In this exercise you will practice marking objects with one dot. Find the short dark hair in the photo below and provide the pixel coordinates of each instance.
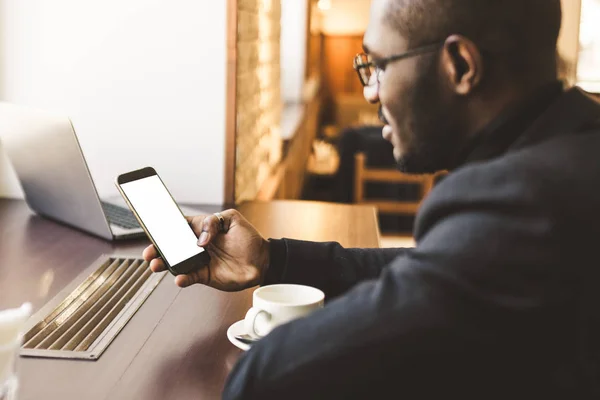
(522, 34)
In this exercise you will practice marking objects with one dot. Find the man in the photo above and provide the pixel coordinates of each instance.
(500, 297)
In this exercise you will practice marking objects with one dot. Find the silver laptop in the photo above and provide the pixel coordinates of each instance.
(45, 153)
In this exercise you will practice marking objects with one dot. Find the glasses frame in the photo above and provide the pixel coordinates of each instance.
(359, 65)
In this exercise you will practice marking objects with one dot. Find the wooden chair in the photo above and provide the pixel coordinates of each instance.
(364, 174)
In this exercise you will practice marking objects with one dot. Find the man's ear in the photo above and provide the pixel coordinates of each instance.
(462, 64)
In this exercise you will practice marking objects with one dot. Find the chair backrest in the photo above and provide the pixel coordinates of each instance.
(364, 174)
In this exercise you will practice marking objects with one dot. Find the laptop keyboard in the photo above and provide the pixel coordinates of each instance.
(120, 216)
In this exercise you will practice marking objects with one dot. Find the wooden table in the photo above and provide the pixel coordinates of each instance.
(175, 346)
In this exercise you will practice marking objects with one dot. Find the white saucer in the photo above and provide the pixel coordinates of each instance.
(234, 330)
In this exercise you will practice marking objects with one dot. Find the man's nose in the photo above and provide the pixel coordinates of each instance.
(371, 91)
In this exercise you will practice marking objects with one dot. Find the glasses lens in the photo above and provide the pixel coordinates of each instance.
(365, 69)
(365, 75)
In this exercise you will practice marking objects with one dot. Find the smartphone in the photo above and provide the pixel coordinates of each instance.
(162, 220)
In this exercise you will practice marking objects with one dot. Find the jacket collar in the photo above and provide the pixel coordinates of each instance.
(548, 113)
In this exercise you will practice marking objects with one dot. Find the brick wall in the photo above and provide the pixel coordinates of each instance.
(259, 106)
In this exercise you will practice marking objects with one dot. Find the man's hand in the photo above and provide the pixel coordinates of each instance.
(239, 257)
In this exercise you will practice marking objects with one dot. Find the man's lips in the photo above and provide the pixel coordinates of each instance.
(387, 133)
(381, 115)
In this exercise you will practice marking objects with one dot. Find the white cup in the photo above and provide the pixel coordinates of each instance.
(11, 326)
(8, 379)
(277, 304)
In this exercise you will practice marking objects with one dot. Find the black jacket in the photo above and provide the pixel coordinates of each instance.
(499, 300)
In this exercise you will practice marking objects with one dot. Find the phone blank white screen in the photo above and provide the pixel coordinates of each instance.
(162, 218)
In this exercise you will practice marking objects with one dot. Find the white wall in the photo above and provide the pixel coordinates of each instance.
(142, 80)
(294, 21)
(346, 17)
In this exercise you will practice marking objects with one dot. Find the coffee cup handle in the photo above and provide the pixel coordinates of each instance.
(250, 321)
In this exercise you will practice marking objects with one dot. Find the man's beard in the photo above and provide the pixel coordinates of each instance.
(431, 124)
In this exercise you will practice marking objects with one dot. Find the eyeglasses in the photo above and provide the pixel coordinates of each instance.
(367, 68)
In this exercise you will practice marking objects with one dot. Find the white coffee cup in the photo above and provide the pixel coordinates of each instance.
(11, 328)
(274, 305)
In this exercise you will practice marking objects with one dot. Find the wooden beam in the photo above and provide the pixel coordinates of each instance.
(231, 102)
(359, 169)
(392, 176)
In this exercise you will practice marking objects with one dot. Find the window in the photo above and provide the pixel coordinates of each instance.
(588, 66)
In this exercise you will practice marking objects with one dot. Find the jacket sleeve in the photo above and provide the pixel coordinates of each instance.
(327, 266)
(453, 315)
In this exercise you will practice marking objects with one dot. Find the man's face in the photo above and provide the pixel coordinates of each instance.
(421, 115)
